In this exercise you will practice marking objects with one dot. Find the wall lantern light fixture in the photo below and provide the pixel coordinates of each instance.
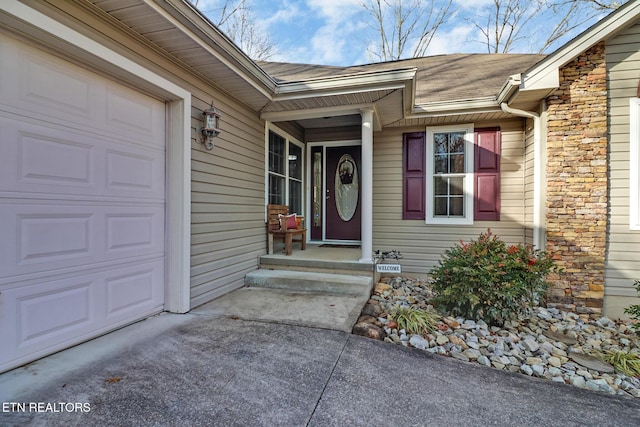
(211, 127)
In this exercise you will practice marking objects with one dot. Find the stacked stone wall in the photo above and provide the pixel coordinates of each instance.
(576, 215)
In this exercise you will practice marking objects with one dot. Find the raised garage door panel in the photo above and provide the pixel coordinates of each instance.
(82, 193)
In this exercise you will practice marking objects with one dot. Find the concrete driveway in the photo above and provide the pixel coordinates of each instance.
(203, 369)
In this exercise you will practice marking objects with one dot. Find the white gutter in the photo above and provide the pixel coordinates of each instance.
(538, 174)
(314, 92)
(363, 82)
(455, 107)
(509, 88)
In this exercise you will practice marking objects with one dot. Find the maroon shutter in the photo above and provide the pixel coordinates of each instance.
(413, 175)
(487, 175)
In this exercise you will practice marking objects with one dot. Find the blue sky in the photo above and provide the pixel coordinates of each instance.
(333, 32)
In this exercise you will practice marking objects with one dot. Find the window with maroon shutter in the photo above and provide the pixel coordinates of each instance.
(487, 175)
(413, 175)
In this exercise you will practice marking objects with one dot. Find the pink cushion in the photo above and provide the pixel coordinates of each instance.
(287, 222)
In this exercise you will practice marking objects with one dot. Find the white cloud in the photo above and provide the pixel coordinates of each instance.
(338, 10)
(456, 40)
(327, 47)
(336, 37)
(285, 13)
(472, 4)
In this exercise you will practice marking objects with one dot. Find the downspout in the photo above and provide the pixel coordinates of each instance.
(538, 170)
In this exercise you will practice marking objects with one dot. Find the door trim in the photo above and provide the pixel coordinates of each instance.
(308, 189)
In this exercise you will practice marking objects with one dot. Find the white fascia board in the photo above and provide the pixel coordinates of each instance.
(313, 113)
(450, 108)
(545, 74)
(336, 91)
(547, 78)
(409, 101)
(365, 82)
(248, 70)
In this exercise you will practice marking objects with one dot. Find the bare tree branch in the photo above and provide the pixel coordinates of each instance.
(507, 22)
(237, 20)
(405, 28)
(504, 23)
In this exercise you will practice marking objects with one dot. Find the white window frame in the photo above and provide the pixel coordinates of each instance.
(467, 219)
(288, 140)
(634, 164)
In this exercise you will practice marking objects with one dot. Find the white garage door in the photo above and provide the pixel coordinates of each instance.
(82, 193)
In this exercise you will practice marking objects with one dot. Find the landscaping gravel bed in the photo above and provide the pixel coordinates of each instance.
(550, 343)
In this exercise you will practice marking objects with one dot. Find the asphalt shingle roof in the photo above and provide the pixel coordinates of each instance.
(439, 78)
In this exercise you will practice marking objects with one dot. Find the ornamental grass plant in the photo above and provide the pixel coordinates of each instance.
(625, 362)
(414, 321)
(489, 280)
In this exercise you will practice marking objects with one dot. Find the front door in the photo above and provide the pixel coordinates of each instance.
(341, 173)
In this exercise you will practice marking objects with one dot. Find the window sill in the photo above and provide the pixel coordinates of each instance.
(449, 221)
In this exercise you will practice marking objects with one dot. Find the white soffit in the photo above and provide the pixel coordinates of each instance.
(183, 32)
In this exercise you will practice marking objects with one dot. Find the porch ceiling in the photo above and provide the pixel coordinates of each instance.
(312, 101)
(333, 122)
(337, 110)
(337, 93)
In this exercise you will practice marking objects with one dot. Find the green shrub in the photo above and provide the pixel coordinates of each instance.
(414, 321)
(489, 280)
(634, 310)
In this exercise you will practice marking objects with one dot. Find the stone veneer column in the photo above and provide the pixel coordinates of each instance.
(576, 217)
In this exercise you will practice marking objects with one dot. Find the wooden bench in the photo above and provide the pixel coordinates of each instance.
(274, 229)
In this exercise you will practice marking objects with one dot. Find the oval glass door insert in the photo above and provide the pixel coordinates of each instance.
(346, 187)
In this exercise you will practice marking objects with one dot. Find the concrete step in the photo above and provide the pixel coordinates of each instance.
(305, 281)
(315, 269)
(335, 312)
(317, 265)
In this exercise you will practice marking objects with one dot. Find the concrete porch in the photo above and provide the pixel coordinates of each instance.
(318, 257)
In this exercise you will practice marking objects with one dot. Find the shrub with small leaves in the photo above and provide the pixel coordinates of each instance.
(634, 310)
(489, 280)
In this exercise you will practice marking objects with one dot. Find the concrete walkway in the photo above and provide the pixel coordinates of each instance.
(205, 369)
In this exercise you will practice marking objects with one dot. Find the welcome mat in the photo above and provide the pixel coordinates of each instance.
(331, 245)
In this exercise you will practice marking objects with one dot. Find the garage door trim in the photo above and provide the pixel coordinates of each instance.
(178, 186)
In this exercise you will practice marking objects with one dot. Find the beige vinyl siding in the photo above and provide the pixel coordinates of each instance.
(528, 181)
(622, 266)
(227, 200)
(227, 183)
(422, 245)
